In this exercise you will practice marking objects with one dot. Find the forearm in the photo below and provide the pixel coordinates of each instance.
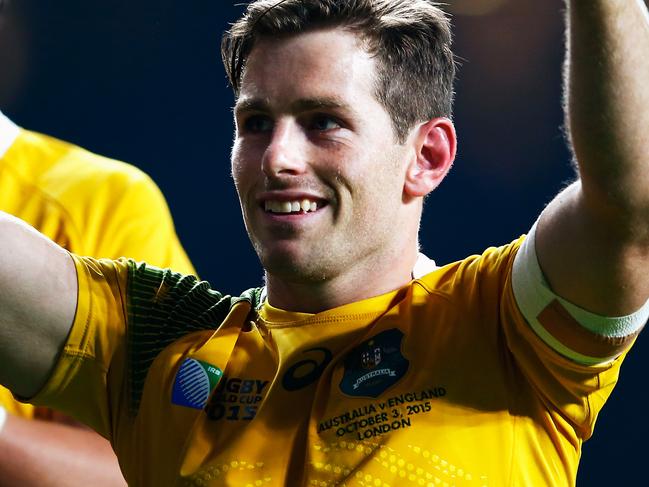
(44, 454)
(607, 96)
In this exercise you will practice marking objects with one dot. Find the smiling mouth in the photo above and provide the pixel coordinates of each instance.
(292, 207)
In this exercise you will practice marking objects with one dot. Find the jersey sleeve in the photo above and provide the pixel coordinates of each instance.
(571, 357)
(79, 384)
(127, 313)
(582, 336)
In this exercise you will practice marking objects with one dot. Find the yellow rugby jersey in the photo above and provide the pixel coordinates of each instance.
(86, 203)
(439, 383)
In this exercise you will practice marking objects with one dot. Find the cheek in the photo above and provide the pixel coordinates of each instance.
(382, 171)
(236, 168)
(241, 167)
(246, 157)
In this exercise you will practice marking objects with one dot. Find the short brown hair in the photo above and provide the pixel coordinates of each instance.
(411, 40)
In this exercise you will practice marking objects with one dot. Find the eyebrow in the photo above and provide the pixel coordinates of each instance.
(300, 105)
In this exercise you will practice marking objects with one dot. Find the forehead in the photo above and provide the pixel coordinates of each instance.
(322, 63)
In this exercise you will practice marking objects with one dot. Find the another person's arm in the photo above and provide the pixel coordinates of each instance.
(593, 239)
(48, 454)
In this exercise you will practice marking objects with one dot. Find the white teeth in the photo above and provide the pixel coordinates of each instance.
(290, 206)
(285, 207)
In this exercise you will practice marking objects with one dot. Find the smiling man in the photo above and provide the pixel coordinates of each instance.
(312, 134)
(356, 363)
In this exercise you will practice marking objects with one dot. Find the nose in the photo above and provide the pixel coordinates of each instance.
(284, 155)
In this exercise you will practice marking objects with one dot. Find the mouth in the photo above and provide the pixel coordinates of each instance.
(300, 206)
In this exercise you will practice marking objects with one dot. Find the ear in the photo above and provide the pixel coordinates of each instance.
(435, 144)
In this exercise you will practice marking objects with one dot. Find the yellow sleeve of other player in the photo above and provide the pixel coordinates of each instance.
(14, 407)
(129, 217)
(113, 208)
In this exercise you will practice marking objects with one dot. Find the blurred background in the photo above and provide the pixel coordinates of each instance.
(142, 81)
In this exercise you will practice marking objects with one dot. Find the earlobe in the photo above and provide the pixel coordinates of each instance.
(435, 145)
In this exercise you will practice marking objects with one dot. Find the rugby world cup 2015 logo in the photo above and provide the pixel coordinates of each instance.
(374, 365)
(195, 381)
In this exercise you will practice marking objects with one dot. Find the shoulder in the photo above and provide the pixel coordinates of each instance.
(62, 169)
(487, 271)
(165, 306)
(84, 186)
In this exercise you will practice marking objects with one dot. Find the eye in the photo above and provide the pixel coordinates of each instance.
(323, 123)
(257, 124)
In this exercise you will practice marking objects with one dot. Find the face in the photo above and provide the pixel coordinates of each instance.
(315, 160)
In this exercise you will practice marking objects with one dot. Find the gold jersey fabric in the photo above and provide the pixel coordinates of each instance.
(441, 383)
(88, 204)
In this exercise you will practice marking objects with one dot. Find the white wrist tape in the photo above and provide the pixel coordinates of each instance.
(3, 417)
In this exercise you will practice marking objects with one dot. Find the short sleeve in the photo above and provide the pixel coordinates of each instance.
(78, 385)
(575, 333)
(570, 357)
(127, 313)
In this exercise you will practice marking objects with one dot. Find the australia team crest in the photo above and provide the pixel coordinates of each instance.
(374, 365)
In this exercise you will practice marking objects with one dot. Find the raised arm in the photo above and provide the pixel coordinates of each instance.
(38, 295)
(593, 239)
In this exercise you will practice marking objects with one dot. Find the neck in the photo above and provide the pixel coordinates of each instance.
(368, 278)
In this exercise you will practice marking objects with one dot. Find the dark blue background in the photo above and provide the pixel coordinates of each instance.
(142, 82)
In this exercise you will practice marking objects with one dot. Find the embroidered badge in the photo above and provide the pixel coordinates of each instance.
(374, 365)
(195, 381)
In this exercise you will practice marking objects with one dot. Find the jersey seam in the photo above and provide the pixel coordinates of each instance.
(432, 292)
(86, 326)
(80, 356)
(77, 353)
(313, 321)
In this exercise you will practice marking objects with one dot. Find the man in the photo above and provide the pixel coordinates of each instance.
(356, 364)
(90, 205)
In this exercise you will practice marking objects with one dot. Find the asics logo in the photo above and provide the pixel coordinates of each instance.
(305, 372)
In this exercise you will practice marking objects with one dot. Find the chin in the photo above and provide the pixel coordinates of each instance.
(292, 267)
